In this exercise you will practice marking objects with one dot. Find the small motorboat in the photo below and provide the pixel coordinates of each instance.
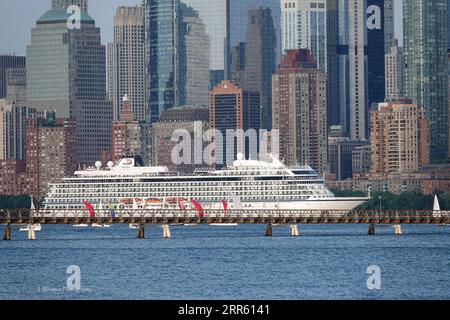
(81, 225)
(36, 227)
(224, 224)
(133, 226)
(97, 225)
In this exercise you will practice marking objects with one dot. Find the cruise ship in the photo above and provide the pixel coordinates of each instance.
(246, 185)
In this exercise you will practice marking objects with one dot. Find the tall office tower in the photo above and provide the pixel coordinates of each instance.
(376, 29)
(66, 73)
(389, 24)
(426, 74)
(333, 113)
(193, 56)
(13, 121)
(313, 24)
(260, 59)
(214, 14)
(238, 20)
(231, 108)
(64, 4)
(161, 41)
(395, 63)
(126, 61)
(399, 138)
(304, 26)
(237, 63)
(50, 154)
(6, 62)
(300, 110)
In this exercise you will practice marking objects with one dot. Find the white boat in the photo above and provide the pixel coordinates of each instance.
(224, 224)
(97, 225)
(134, 226)
(36, 227)
(249, 184)
(81, 225)
(437, 213)
(190, 224)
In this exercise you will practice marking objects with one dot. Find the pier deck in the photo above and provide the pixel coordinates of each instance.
(140, 216)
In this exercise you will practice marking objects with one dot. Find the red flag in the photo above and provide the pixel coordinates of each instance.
(199, 208)
(90, 208)
(225, 206)
(181, 205)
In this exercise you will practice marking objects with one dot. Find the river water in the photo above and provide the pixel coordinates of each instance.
(203, 262)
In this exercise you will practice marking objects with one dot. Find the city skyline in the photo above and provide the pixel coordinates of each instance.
(102, 11)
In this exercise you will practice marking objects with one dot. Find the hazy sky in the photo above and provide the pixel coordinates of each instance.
(17, 17)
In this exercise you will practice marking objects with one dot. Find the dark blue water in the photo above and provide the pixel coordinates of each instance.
(201, 262)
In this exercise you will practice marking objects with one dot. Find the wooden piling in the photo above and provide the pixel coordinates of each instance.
(166, 231)
(269, 230)
(7, 233)
(294, 230)
(141, 232)
(371, 229)
(31, 232)
(398, 230)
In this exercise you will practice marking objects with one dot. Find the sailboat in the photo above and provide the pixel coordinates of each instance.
(80, 225)
(237, 204)
(36, 226)
(103, 225)
(135, 208)
(437, 210)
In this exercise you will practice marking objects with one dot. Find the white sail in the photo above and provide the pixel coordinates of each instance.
(135, 205)
(436, 206)
(32, 204)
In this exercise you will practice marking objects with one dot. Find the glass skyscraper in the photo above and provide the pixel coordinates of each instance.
(426, 75)
(161, 37)
(66, 73)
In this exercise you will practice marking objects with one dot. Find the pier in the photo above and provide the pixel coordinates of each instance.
(269, 218)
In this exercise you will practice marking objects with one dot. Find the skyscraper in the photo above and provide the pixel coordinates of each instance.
(66, 73)
(194, 51)
(6, 62)
(238, 20)
(313, 24)
(395, 63)
(389, 24)
(126, 61)
(231, 108)
(13, 121)
(376, 30)
(162, 40)
(214, 14)
(64, 4)
(399, 138)
(426, 74)
(300, 110)
(260, 59)
(304, 26)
